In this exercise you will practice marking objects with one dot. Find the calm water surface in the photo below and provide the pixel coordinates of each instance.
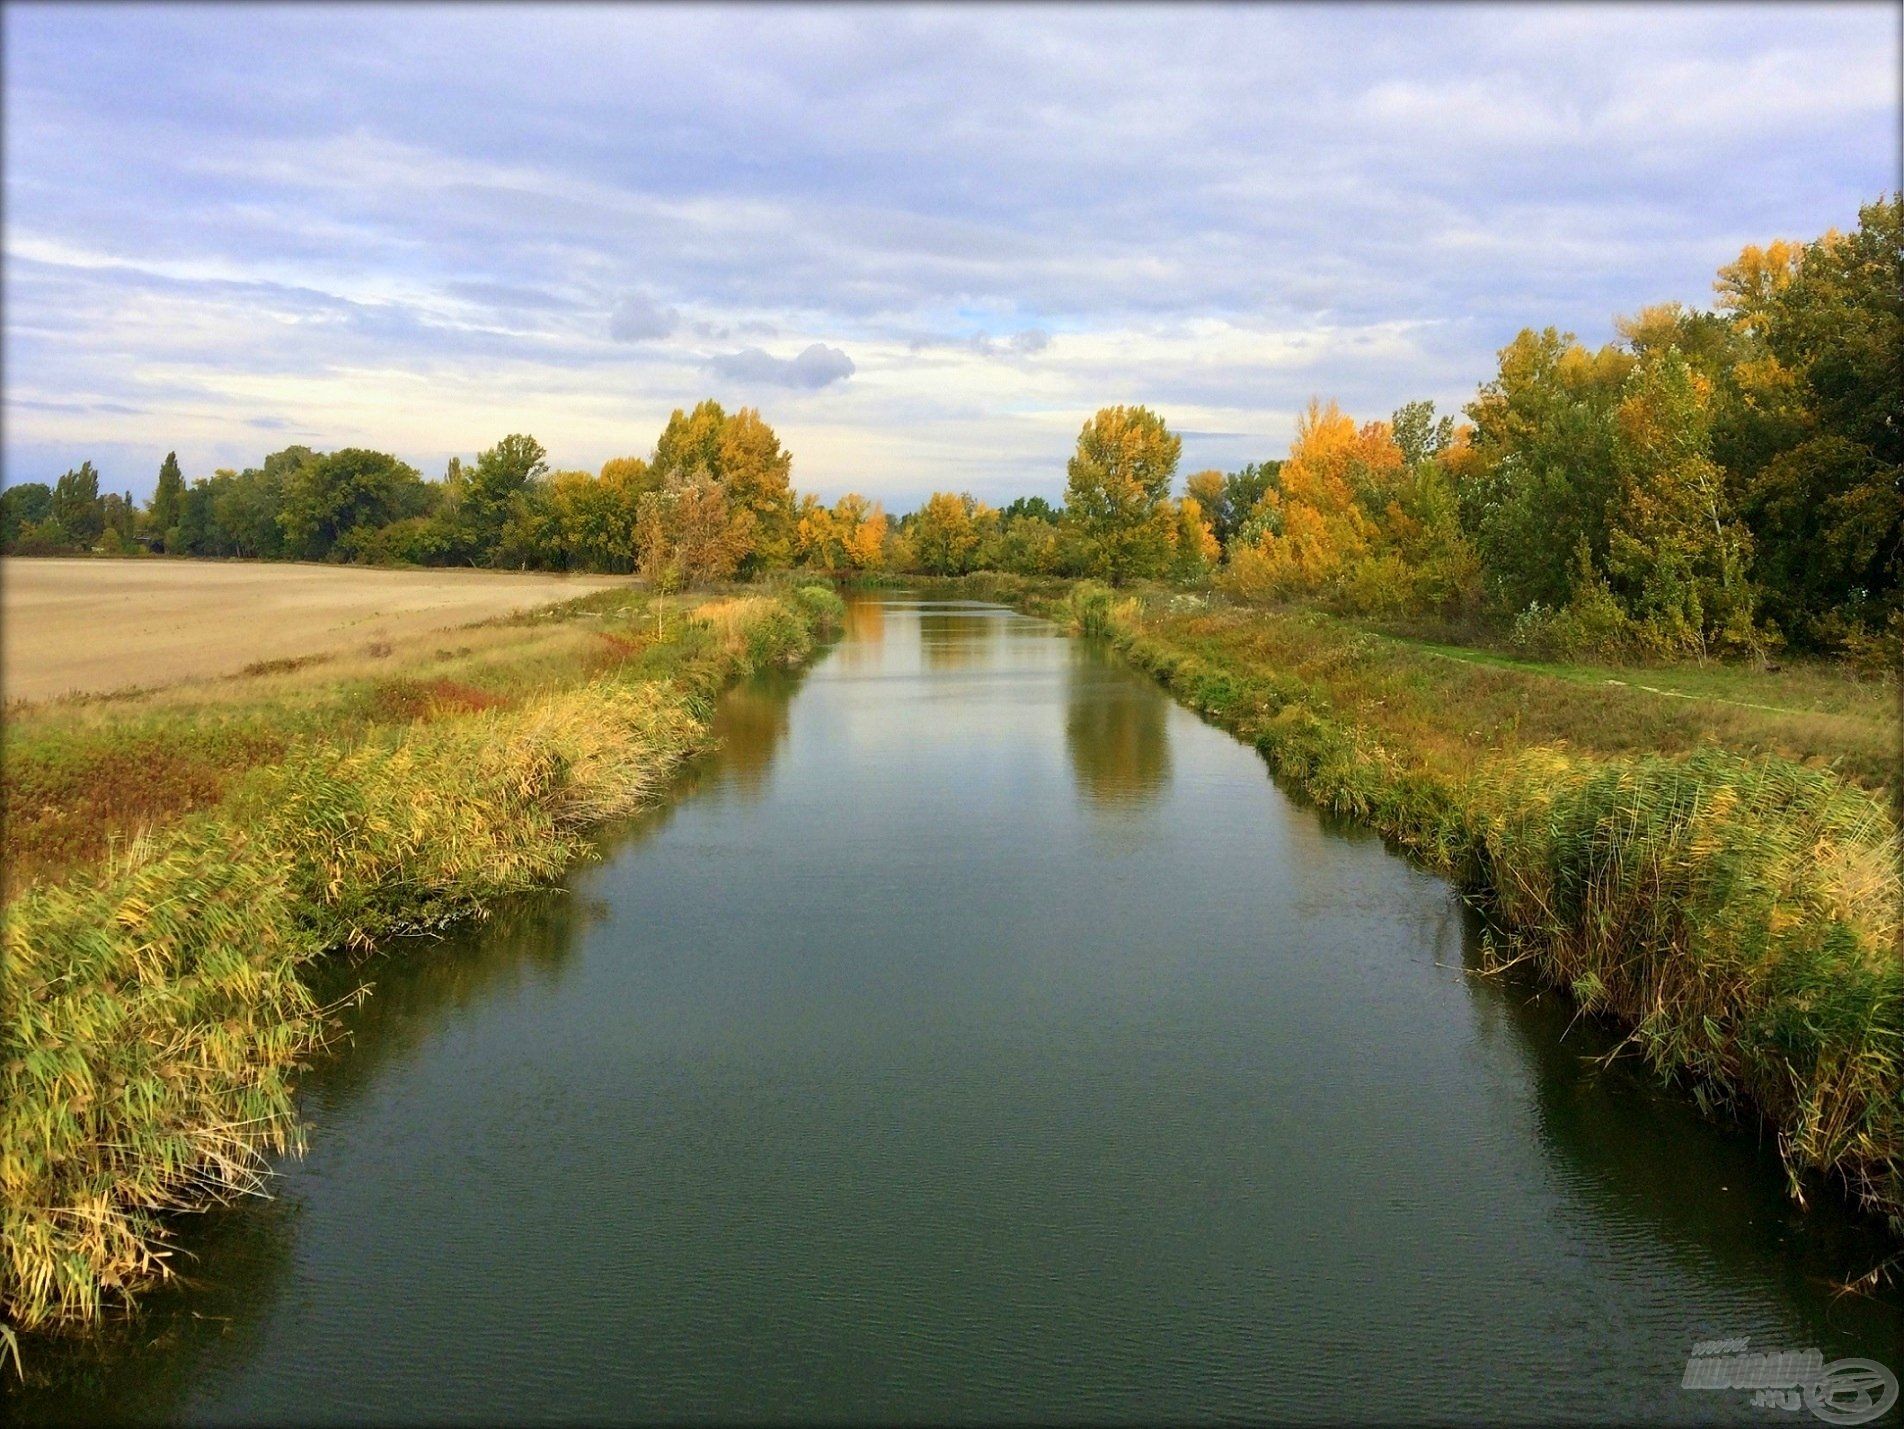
(978, 1036)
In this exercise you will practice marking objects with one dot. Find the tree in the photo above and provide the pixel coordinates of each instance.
(163, 514)
(1324, 515)
(326, 498)
(1828, 509)
(1418, 433)
(943, 535)
(29, 504)
(498, 475)
(861, 525)
(1542, 469)
(76, 506)
(756, 475)
(1196, 544)
(712, 535)
(1677, 553)
(816, 540)
(690, 442)
(1243, 493)
(1118, 482)
(1210, 490)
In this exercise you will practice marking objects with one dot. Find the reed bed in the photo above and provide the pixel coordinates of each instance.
(1737, 916)
(155, 1004)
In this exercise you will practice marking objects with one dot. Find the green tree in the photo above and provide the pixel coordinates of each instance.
(1828, 509)
(1543, 472)
(76, 506)
(28, 504)
(1243, 493)
(328, 498)
(492, 483)
(1676, 552)
(163, 514)
(1118, 487)
(1421, 436)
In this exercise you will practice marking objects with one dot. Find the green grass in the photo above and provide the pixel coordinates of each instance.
(157, 1000)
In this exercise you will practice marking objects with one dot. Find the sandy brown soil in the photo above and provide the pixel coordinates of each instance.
(68, 625)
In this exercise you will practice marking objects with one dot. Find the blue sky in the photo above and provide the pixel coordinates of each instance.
(926, 242)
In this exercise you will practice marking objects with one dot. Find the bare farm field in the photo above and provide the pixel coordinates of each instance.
(70, 626)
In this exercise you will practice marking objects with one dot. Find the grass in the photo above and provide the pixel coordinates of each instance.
(158, 999)
(1720, 881)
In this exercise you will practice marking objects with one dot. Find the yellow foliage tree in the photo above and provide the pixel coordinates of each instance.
(861, 525)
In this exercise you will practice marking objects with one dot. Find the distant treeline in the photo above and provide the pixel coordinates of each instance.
(1716, 481)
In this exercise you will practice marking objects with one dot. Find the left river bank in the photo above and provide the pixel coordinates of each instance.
(179, 859)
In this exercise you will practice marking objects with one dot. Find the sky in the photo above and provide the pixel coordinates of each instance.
(927, 243)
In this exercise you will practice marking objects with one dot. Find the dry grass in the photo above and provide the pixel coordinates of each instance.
(93, 626)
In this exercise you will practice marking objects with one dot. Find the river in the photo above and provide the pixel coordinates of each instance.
(979, 1035)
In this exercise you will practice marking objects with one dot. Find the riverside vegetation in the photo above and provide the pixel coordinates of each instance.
(157, 1000)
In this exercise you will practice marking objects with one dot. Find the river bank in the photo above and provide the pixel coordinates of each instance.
(157, 1007)
(1731, 910)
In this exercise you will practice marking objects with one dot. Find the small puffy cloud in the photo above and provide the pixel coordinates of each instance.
(816, 367)
(639, 318)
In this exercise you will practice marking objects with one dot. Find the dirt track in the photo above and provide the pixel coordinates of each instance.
(95, 625)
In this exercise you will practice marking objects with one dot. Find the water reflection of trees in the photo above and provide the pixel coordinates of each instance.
(958, 639)
(750, 721)
(863, 633)
(1116, 730)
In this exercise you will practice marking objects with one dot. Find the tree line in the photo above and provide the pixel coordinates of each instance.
(1714, 481)
(1720, 481)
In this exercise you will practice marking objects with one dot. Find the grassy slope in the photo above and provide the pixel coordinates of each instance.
(1719, 879)
(155, 1008)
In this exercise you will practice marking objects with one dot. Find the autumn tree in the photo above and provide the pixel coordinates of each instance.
(944, 535)
(1118, 485)
(860, 526)
(756, 475)
(1195, 547)
(1210, 490)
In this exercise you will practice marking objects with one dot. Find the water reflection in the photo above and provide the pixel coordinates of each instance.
(864, 634)
(750, 724)
(952, 638)
(1117, 732)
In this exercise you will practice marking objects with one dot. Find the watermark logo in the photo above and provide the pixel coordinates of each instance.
(1848, 1391)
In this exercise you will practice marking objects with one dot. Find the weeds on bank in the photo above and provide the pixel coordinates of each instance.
(155, 1008)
